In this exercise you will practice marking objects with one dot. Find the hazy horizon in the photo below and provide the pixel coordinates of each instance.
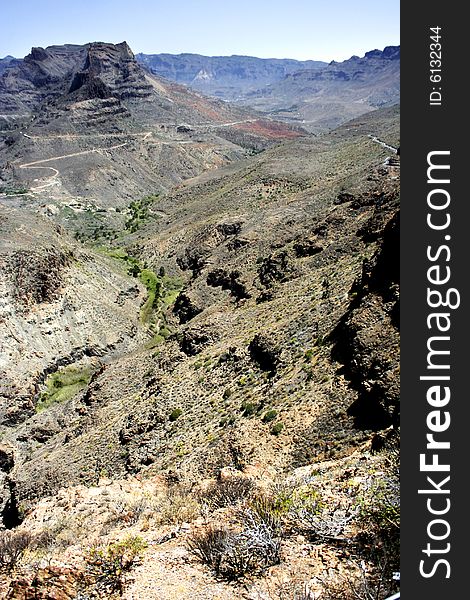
(305, 30)
(199, 54)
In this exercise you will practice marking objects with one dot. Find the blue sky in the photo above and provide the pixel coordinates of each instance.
(302, 29)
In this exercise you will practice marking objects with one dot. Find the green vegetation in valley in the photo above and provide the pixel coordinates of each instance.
(162, 291)
(94, 224)
(63, 385)
(14, 191)
(139, 213)
(154, 288)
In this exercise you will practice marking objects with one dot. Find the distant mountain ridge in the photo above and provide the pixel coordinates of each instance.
(324, 98)
(7, 61)
(227, 77)
(96, 102)
(313, 94)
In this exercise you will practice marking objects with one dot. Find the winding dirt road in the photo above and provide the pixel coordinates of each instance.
(382, 143)
(53, 179)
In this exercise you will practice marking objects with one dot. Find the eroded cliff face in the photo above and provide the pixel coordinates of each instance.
(59, 303)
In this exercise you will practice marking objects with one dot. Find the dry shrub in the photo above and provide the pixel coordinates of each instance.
(227, 492)
(176, 505)
(233, 555)
(260, 510)
(107, 566)
(209, 546)
(13, 544)
(58, 535)
(365, 584)
(379, 520)
(129, 511)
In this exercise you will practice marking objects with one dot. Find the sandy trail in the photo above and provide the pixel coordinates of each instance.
(382, 143)
(53, 179)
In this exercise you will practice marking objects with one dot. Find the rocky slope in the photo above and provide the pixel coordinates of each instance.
(215, 361)
(226, 77)
(6, 62)
(269, 252)
(83, 118)
(39, 76)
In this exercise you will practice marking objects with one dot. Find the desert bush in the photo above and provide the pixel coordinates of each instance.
(251, 552)
(13, 544)
(55, 535)
(233, 555)
(227, 492)
(177, 504)
(210, 545)
(129, 511)
(175, 414)
(248, 408)
(379, 505)
(261, 510)
(269, 416)
(379, 518)
(301, 509)
(366, 583)
(277, 428)
(107, 566)
(45, 539)
(325, 524)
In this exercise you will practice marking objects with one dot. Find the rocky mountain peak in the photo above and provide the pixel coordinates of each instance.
(54, 60)
(389, 52)
(37, 54)
(97, 52)
(111, 69)
(98, 69)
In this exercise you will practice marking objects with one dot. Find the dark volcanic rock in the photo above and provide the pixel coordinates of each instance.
(116, 67)
(264, 352)
(307, 247)
(194, 260)
(137, 424)
(229, 281)
(208, 238)
(343, 197)
(275, 268)
(367, 338)
(185, 308)
(7, 461)
(192, 341)
(89, 86)
(42, 74)
(228, 229)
